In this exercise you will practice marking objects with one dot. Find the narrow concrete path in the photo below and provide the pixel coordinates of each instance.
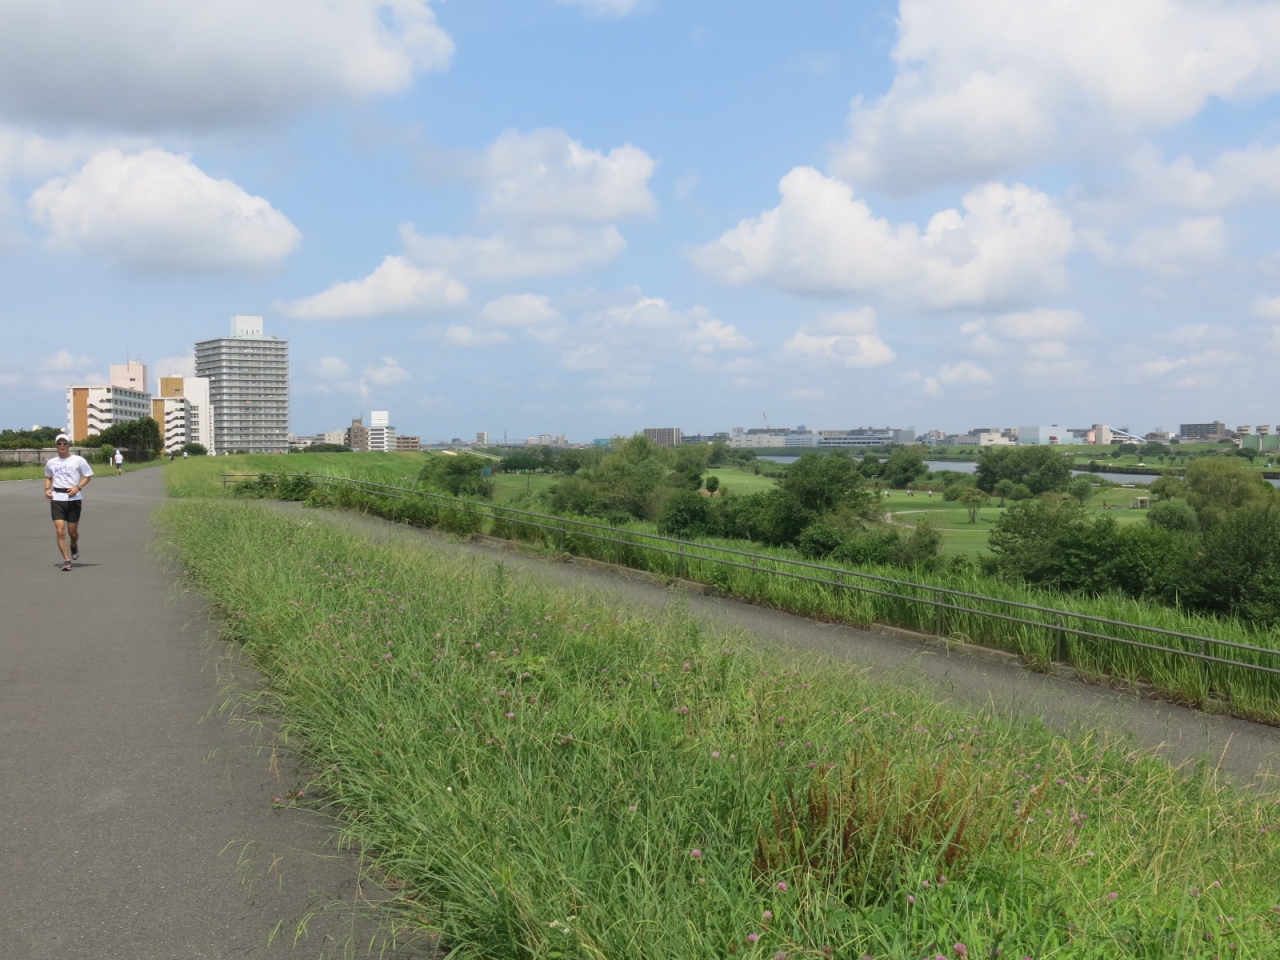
(118, 791)
(1249, 753)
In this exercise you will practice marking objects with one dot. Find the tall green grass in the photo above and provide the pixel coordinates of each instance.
(544, 775)
(200, 476)
(1219, 686)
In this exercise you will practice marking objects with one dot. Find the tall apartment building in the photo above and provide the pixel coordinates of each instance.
(382, 435)
(182, 411)
(482, 438)
(1205, 432)
(248, 375)
(663, 436)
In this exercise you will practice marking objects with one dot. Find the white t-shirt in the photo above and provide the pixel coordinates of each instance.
(67, 472)
(118, 458)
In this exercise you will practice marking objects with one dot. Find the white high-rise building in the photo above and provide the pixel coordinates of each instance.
(482, 438)
(248, 374)
(92, 409)
(382, 435)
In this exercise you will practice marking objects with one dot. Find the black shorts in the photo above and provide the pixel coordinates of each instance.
(68, 510)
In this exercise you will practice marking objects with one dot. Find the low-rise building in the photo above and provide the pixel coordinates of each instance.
(93, 408)
(357, 435)
(407, 442)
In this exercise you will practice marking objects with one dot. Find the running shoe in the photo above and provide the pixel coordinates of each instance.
(66, 565)
(75, 552)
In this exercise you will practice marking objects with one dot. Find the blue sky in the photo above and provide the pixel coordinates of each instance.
(592, 216)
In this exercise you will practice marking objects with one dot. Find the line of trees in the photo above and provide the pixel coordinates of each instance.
(1211, 542)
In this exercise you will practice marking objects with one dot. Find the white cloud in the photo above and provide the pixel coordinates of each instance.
(849, 338)
(1010, 242)
(966, 373)
(155, 211)
(1268, 308)
(332, 368)
(1035, 341)
(458, 335)
(614, 405)
(529, 252)
(545, 175)
(1039, 324)
(1191, 245)
(10, 379)
(982, 88)
(1233, 177)
(632, 338)
(146, 65)
(388, 374)
(614, 8)
(520, 310)
(180, 366)
(64, 368)
(396, 286)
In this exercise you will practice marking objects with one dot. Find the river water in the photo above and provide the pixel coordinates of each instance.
(969, 466)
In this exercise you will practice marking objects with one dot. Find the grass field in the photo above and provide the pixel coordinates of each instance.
(35, 471)
(542, 774)
(959, 536)
(199, 476)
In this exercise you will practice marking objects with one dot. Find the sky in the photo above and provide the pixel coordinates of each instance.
(587, 217)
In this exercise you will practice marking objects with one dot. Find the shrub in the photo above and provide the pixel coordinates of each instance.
(819, 540)
(687, 514)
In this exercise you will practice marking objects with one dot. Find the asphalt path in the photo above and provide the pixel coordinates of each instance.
(135, 822)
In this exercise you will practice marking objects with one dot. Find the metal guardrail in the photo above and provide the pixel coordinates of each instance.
(838, 577)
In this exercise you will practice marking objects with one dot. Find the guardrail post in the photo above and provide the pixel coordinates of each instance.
(939, 614)
(680, 564)
(1059, 640)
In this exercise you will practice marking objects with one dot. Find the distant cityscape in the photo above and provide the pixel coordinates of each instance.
(238, 401)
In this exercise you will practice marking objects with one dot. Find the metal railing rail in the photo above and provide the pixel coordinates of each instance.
(839, 575)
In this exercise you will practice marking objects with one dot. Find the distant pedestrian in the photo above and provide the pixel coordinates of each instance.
(65, 477)
(118, 459)
(171, 456)
(184, 453)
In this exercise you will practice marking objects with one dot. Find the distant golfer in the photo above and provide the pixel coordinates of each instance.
(118, 459)
(65, 477)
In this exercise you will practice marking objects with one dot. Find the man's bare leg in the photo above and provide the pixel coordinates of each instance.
(61, 527)
(73, 533)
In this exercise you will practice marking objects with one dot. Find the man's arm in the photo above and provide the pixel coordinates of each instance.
(48, 488)
(84, 482)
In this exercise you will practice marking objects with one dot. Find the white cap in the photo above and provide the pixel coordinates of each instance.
(61, 438)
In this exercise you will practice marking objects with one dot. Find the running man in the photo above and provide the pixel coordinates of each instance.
(65, 477)
(118, 459)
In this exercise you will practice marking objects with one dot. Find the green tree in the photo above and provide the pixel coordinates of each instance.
(1174, 514)
(687, 514)
(139, 437)
(1081, 490)
(1054, 542)
(461, 475)
(198, 449)
(1039, 469)
(973, 501)
(713, 484)
(904, 466)
(718, 455)
(1218, 486)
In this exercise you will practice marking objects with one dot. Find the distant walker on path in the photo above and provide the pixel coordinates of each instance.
(65, 477)
(118, 459)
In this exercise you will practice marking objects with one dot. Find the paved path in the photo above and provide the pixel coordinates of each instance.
(117, 793)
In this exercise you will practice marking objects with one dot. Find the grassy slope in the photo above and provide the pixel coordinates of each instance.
(36, 471)
(538, 769)
(199, 476)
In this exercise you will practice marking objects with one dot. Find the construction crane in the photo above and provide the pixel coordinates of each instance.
(766, 420)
